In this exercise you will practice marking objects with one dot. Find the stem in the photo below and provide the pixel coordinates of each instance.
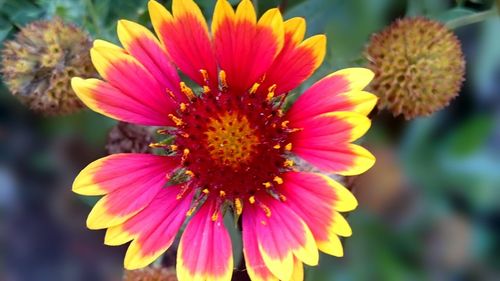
(470, 19)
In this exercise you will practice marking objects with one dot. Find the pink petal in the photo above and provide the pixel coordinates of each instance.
(205, 251)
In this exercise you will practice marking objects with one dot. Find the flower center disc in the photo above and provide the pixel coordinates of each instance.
(232, 144)
(230, 140)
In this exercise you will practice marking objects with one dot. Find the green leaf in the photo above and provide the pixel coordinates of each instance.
(471, 135)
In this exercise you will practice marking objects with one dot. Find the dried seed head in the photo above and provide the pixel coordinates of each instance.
(419, 66)
(129, 138)
(38, 64)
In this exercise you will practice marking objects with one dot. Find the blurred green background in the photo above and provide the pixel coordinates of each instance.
(429, 209)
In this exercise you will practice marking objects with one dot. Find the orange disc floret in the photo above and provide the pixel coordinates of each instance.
(419, 66)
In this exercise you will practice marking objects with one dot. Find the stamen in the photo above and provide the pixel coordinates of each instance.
(157, 145)
(170, 93)
(185, 135)
(278, 180)
(251, 199)
(222, 193)
(173, 147)
(267, 184)
(189, 173)
(191, 211)
(183, 106)
(288, 163)
(182, 192)
(222, 78)
(215, 215)
(270, 96)
(176, 120)
(277, 146)
(238, 206)
(271, 90)
(288, 147)
(266, 210)
(254, 88)
(206, 191)
(163, 132)
(282, 197)
(187, 91)
(206, 89)
(204, 73)
(284, 124)
(185, 154)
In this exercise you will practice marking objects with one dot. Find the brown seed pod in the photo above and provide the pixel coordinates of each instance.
(129, 138)
(38, 64)
(419, 66)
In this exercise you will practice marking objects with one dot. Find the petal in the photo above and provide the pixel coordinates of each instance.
(186, 38)
(298, 270)
(330, 129)
(105, 99)
(343, 159)
(144, 46)
(155, 227)
(117, 171)
(332, 94)
(205, 251)
(246, 48)
(130, 181)
(297, 61)
(125, 73)
(317, 199)
(257, 269)
(281, 234)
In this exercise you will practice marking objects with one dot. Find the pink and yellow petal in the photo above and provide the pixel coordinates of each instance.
(332, 94)
(105, 44)
(331, 246)
(255, 265)
(125, 73)
(205, 251)
(155, 227)
(298, 271)
(296, 62)
(281, 236)
(130, 181)
(117, 171)
(295, 30)
(245, 49)
(316, 198)
(117, 235)
(343, 159)
(143, 45)
(330, 129)
(107, 100)
(185, 36)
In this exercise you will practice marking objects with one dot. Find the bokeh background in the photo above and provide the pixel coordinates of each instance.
(429, 209)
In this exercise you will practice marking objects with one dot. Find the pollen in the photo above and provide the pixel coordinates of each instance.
(278, 180)
(187, 91)
(238, 206)
(230, 140)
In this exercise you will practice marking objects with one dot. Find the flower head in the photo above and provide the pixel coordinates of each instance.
(232, 146)
(38, 64)
(418, 64)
